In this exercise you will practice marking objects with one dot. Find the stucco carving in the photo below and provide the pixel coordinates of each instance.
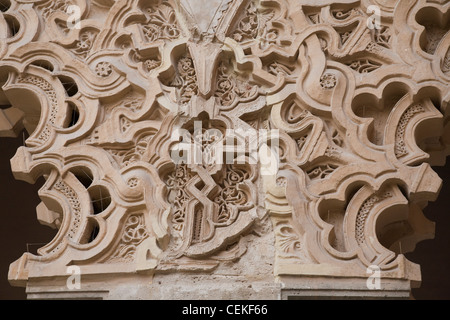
(360, 115)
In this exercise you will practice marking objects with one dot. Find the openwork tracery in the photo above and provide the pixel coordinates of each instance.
(361, 114)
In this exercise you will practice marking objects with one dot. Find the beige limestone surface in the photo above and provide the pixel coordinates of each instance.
(309, 129)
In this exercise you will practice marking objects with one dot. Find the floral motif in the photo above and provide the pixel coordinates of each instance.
(301, 141)
(186, 80)
(151, 64)
(231, 89)
(281, 181)
(321, 172)
(178, 198)
(49, 7)
(248, 26)
(382, 36)
(84, 44)
(127, 157)
(258, 23)
(349, 14)
(288, 240)
(103, 69)
(372, 47)
(277, 68)
(133, 182)
(364, 65)
(230, 196)
(345, 36)
(328, 81)
(148, 63)
(133, 233)
(161, 23)
(134, 104)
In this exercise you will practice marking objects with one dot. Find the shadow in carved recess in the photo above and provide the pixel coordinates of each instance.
(432, 255)
(20, 231)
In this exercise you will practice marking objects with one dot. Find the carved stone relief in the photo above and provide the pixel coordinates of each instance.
(355, 117)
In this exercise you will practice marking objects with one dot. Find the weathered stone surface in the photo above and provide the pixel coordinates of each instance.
(339, 110)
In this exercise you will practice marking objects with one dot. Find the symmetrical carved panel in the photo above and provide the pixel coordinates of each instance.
(136, 113)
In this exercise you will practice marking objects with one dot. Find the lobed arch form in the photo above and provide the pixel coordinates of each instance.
(39, 95)
(63, 64)
(359, 124)
(66, 203)
(368, 211)
(396, 99)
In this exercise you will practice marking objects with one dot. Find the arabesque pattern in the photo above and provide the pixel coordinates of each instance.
(360, 114)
